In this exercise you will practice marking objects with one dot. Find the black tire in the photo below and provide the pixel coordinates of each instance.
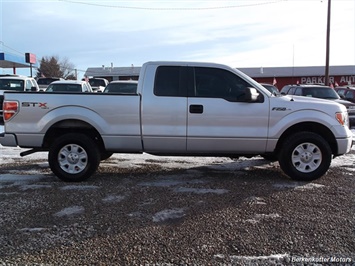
(105, 155)
(74, 157)
(305, 156)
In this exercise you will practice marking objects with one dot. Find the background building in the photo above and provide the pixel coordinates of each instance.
(279, 76)
(338, 75)
(114, 73)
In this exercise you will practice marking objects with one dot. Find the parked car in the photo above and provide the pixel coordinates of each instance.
(122, 87)
(15, 83)
(98, 84)
(44, 82)
(18, 83)
(270, 88)
(346, 92)
(323, 92)
(69, 86)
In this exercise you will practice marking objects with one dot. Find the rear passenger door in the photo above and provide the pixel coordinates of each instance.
(219, 120)
(164, 109)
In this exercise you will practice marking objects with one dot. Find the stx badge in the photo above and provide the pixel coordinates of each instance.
(34, 104)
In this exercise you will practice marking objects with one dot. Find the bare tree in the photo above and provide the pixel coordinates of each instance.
(67, 68)
(54, 67)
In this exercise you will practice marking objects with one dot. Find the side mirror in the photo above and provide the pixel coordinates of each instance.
(33, 88)
(251, 95)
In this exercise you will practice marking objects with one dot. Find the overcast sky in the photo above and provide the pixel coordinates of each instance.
(253, 33)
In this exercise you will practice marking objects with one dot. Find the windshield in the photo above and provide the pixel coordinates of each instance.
(46, 81)
(64, 87)
(11, 84)
(271, 88)
(97, 82)
(125, 88)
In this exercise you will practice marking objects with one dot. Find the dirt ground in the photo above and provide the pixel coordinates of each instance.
(148, 210)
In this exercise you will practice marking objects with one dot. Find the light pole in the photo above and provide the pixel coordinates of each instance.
(326, 80)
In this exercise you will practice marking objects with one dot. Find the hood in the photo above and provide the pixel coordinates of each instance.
(344, 102)
(302, 102)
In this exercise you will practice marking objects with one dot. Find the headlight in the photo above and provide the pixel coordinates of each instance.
(342, 118)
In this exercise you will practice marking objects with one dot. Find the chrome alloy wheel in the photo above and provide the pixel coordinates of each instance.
(72, 158)
(306, 157)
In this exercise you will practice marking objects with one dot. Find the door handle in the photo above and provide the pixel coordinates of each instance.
(196, 109)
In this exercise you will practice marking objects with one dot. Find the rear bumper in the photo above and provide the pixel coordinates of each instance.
(8, 140)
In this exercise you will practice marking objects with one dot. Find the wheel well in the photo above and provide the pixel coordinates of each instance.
(72, 126)
(310, 127)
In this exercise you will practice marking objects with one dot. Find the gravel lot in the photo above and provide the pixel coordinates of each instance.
(147, 210)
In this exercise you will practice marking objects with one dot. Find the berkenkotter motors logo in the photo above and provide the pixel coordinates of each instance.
(321, 259)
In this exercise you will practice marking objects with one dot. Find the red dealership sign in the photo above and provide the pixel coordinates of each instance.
(30, 58)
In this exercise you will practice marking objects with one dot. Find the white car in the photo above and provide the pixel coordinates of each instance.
(44, 82)
(122, 87)
(15, 83)
(69, 86)
(98, 84)
(18, 83)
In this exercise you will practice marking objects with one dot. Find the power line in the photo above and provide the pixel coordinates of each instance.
(176, 8)
(8, 47)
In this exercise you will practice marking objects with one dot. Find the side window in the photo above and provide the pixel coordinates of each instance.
(219, 83)
(28, 85)
(167, 81)
(341, 92)
(349, 94)
(291, 91)
(85, 88)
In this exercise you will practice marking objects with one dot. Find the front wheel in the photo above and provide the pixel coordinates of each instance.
(73, 157)
(305, 156)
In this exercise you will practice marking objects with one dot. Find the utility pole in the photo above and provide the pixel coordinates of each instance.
(326, 80)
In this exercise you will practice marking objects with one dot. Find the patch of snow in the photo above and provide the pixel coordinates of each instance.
(298, 185)
(135, 214)
(168, 214)
(170, 181)
(34, 186)
(252, 221)
(70, 211)
(39, 229)
(79, 187)
(200, 190)
(267, 216)
(309, 186)
(258, 258)
(256, 200)
(113, 198)
(20, 178)
(258, 217)
(242, 163)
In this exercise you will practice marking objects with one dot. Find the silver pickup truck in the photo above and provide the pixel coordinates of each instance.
(180, 108)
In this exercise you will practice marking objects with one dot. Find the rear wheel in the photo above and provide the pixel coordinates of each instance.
(305, 156)
(73, 157)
